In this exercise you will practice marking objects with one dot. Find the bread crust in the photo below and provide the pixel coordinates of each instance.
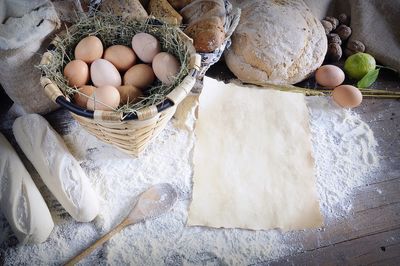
(278, 42)
(207, 34)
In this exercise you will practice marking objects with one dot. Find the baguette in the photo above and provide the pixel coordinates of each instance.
(20, 200)
(58, 169)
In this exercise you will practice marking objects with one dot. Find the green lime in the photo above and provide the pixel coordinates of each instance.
(358, 65)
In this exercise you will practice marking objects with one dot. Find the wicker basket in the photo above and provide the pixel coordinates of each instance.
(131, 132)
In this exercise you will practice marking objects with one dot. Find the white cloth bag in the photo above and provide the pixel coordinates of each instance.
(23, 31)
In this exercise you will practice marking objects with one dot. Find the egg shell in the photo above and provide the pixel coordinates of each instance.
(120, 56)
(347, 96)
(166, 67)
(82, 99)
(77, 73)
(103, 73)
(89, 49)
(106, 98)
(129, 93)
(146, 46)
(140, 76)
(329, 76)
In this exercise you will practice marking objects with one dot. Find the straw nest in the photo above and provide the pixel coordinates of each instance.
(113, 30)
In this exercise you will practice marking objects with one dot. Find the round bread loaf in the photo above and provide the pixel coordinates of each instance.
(277, 42)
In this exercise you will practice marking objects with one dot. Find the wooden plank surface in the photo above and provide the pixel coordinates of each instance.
(368, 235)
(381, 248)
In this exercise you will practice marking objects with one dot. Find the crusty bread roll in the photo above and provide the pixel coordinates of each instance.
(201, 9)
(163, 10)
(205, 24)
(207, 34)
(125, 8)
(20, 200)
(179, 4)
(278, 42)
(58, 169)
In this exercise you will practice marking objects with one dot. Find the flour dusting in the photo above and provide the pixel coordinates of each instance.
(344, 150)
(345, 153)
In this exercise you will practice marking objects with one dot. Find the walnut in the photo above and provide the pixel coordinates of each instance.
(327, 26)
(333, 21)
(354, 47)
(334, 52)
(343, 31)
(344, 19)
(334, 38)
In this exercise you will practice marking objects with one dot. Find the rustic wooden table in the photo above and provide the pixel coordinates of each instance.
(371, 233)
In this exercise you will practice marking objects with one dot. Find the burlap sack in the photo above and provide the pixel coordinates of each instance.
(68, 10)
(24, 28)
(376, 23)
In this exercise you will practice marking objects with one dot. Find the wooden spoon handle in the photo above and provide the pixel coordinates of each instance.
(99, 242)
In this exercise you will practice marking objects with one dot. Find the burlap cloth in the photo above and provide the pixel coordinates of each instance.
(376, 23)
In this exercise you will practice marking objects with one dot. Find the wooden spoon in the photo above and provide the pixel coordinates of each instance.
(151, 203)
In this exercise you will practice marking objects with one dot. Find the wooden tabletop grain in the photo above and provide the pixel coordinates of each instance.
(370, 234)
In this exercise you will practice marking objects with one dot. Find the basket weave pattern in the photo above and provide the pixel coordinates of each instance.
(131, 136)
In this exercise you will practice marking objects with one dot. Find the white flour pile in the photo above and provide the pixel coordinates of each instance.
(344, 149)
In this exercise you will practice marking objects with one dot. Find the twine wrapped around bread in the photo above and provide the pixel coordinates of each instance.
(132, 126)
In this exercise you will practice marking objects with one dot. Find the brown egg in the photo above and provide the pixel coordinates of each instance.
(329, 76)
(81, 98)
(146, 46)
(347, 96)
(89, 49)
(140, 76)
(166, 67)
(77, 73)
(104, 98)
(129, 93)
(120, 56)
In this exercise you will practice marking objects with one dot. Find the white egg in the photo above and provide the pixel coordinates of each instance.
(103, 73)
(146, 46)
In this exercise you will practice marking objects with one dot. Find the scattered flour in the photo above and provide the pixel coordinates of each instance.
(345, 153)
(344, 150)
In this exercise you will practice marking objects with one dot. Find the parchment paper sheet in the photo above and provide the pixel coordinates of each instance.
(253, 164)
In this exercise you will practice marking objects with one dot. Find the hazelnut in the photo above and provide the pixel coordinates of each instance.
(334, 38)
(327, 26)
(344, 19)
(344, 32)
(334, 52)
(333, 21)
(354, 47)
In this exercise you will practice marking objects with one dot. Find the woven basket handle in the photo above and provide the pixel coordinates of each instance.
(51, 90)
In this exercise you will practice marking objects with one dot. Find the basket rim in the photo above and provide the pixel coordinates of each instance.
(59, 97)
